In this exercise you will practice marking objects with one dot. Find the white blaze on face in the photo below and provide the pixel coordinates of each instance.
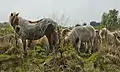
(10, 17)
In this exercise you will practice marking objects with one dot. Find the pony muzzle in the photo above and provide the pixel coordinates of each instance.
(17, 28)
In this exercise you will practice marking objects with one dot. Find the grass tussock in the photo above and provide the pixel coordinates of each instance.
(66, 59)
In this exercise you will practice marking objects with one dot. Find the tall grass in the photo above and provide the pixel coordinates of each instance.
(107, 59)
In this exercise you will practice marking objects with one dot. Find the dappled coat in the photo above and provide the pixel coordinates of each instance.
(31, 30)
(28, 31)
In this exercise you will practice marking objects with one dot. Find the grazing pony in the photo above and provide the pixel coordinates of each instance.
(64, 32)
(107, 36)
(117, 41)
(97, 41)
(81, 34)
(110, 38)
(28, 31)
(43, 42)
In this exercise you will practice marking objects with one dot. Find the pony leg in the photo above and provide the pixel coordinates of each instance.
(47, 49)
(16, 40)
(49, 40)
(79, 45)
(50, 43)
(92, 46)
(30, 44)
(88, 46)
(24, 46)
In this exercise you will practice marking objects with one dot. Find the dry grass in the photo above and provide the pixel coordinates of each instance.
(107, 59)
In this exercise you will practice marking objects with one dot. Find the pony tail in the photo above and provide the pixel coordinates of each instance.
(59, 35)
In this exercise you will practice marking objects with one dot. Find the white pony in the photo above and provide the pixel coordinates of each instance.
(81, 34)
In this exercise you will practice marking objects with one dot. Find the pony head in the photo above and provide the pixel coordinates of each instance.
(65, 32)
(14, 21)
(84, 24)
(67, 38)
(116, 34)
(77, 25)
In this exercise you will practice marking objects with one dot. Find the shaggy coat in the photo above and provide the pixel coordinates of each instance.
(81, 34)
(110, 38)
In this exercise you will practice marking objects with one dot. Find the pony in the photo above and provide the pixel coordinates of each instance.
(107, 36)
(43, 42)
(28, 31)
(64, 32)
(77, 25)
(117, 41)
(111, 38)
(84, 24)
(81, 34)
(97, 41)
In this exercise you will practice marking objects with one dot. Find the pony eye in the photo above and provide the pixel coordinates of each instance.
(11, 14)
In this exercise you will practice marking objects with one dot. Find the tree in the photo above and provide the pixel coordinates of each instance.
(110, 20)
(119, 21)
(104, 18)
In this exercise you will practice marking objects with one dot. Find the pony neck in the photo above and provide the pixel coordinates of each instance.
(22, 21)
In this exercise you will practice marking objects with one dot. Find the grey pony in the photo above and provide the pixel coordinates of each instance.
(31, 31)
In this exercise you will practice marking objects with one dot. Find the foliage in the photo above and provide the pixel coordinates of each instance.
(110, 20)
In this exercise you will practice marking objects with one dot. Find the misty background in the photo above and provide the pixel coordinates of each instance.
(78, 11)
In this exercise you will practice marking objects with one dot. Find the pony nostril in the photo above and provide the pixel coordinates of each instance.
(17, 29)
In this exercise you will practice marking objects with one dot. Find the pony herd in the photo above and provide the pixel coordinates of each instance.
(46, 33)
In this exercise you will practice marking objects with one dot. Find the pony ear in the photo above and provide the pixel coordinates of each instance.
(11, 14)
(17, 14)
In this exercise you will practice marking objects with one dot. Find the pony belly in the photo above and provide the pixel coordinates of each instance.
(34, 34)
(85, 38)
(34, 37)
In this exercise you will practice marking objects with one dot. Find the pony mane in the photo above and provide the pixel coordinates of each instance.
(35, 21)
